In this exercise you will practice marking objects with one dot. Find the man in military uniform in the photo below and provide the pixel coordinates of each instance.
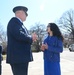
(19, 42)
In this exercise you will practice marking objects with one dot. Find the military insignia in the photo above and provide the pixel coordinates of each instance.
(23, 27)
(20, 29)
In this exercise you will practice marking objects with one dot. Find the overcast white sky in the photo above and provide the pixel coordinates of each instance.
(43, 11)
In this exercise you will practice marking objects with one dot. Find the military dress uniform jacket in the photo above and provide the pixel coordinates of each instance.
(19, 43)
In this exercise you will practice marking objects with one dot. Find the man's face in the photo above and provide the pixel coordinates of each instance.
(21, 14)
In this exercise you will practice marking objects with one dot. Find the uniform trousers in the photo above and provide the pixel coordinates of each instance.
(20, 69)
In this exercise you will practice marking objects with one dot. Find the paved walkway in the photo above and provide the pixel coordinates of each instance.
(36, 67)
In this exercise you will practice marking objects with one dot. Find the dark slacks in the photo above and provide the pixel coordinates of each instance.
(20, 69)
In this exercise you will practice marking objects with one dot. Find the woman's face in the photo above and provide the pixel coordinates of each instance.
(48, 29)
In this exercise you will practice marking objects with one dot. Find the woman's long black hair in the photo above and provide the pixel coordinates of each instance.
(56, 31)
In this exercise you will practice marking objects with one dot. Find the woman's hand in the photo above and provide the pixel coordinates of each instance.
(44, 47)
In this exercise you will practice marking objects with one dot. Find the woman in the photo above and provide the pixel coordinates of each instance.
(52, 47)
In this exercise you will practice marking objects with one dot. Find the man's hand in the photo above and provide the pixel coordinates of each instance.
(34, 37)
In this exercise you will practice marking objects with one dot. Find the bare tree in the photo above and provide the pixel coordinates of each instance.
(39, 29)
(67, 22)
(3, 38)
